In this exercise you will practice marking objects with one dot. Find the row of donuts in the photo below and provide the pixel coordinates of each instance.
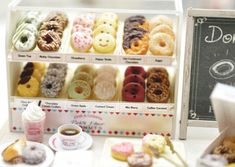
(88, 83)
(158, 85)
(141, 35)
(31, 30)
(33, 82)
(98, 33)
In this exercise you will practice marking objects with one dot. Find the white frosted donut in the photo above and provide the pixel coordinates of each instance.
(104, 90)
(24, 40)
(161, 44)
(27, 26)
(160, 19)
(164, 29)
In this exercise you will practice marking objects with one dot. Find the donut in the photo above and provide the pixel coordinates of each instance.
(121, 151)
(136, 21)
(84, 20)
(229, 142)
(33, 154)
(135, 43)
(87, 68)
(109, 15)
(138, 70)
(58, 66)
(52, 26)
(139, 159)
(107, 68)
(84, 77)
(31, 72)
(106, 21)
(158, 93)
(158, 78)
(79, 90)
(104, 28)
(30, 19)
(104, 43)
(81, 41)
(28, 87)
(157, 142)
(49, 41)
(24, 40)
(160, 19)
(129, 30)
(36, 65)
(134, 78)
(57, 73)
(51, 86)
(161, 44)
(79, 28)
(105, 76)
(133, 92)
(157, 70)
(163, 28)
(104, 90)
(27, 26)
(59, 17)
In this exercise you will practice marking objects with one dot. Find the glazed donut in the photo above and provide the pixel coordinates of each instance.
(164, 29)
(84, 77)
(107, 69)
(157, 70)
(52, 26)
(135, 43)
(87, 68)
(134, 78)
(33, 154)
(138, 70)
(159, 78)
(229, 142)
(161, 44)
(79, 28)
(104, 90)
(79, 90)
(24, 40)
(133, 92)
(104, 43)
(81, 41)
(59, 17)
(49, 41)
(28, 87)
(158, 93)
(160, 19)
(51, 86)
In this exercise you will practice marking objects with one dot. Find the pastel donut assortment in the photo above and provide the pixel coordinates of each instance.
(51, 31)
(81, 35)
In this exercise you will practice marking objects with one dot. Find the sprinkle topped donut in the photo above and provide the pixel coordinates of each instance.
(81, 41)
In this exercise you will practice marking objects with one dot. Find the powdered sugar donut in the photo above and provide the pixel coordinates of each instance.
(85, 20)
(79, 28)
(81, 41)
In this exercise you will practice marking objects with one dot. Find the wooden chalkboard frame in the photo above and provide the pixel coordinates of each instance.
(191, 13)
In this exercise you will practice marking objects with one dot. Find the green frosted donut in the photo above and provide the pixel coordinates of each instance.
(85, 68)
(84, 77)
(79, 90)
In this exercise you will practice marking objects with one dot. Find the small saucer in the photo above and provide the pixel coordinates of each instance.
(54, 143)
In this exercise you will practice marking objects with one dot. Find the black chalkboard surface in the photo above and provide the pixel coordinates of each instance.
(213, 60)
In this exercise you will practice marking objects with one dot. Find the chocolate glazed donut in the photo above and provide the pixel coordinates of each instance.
(52, 26)
(49, 41)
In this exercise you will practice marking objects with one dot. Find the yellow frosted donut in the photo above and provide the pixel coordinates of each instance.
(28, 87)
(106, 21)
(32, 72)
(160, 19)
(36, 65)
(109, 15)
(104, 28)
(164, 29)
(161, 44)
(104, 43)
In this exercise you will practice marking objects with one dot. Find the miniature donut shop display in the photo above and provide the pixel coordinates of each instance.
(96, 72)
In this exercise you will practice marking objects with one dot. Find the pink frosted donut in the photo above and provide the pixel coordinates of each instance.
(81, 41)
(85, 20)
(79, 28)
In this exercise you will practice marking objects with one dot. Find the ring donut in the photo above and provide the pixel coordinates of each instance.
(133, 92)
(24, 40)
(81, 41)
(134, 78)
(161, 44)
(158, 93)
(159, 78)
(164, 29)
(156, 70)
(49, 41)
(84, 77)
(138, 70)
(79, 90)
(222, 69)
(52, 26)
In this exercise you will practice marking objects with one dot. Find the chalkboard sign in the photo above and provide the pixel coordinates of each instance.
(209, 59)
(213, 60)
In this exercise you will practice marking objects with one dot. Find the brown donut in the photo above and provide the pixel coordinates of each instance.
(158, 93)
(59, 17)
(49, 41)
(159, 78)
(136, 21)
(52, 26)
(156, 70)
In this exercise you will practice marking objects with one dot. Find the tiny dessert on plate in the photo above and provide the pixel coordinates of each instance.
(139, 159)
(121, 151)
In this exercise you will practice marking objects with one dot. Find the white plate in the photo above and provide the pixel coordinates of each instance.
(107, 160)
(47, 162)
(55, 144)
